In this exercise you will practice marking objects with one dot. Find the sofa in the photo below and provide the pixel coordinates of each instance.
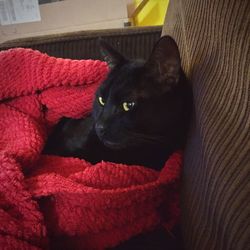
(213, 38)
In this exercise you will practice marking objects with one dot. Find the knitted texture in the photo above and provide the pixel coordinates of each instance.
(47, 197)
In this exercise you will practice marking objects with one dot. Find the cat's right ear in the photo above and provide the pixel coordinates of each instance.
(165, 62)
(110, 55)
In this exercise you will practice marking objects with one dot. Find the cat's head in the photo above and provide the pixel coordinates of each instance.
(141, 102)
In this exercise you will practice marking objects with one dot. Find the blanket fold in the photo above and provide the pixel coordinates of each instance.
(43, 198)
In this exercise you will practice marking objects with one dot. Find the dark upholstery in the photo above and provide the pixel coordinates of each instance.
(214, 39)
(133, 42)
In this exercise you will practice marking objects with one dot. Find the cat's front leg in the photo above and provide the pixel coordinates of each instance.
(69, 137)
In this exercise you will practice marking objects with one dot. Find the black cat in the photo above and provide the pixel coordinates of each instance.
(140, 113)
(140, 116)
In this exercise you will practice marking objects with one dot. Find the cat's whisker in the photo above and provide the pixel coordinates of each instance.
(147, 138)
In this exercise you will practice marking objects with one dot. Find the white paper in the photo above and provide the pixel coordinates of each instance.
(19, 11)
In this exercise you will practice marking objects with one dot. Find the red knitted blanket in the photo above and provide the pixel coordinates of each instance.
(44, 197)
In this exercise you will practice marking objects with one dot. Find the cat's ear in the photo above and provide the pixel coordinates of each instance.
(165, 62)
(110, 55)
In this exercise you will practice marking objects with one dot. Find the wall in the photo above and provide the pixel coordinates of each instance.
(70, 15)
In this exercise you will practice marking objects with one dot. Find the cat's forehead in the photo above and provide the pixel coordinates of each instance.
(130, 73)
(127, 81)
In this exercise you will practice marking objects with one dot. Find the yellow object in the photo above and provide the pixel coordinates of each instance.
(153, 13)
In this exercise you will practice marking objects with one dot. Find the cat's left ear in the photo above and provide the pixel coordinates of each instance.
(110, 55)
(165, 62)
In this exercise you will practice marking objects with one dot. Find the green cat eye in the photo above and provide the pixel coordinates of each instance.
(101, 101)
(128, 105)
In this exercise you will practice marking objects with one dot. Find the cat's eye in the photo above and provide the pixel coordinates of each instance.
(101, 101)
(128, 105)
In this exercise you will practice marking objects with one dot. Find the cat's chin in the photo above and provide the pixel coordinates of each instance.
(113, 145)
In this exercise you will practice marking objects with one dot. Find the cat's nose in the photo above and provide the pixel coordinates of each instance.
(99, 128)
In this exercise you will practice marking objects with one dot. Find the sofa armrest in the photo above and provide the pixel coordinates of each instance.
(213, 37)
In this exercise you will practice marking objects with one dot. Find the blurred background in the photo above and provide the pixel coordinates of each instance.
(30, 18)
